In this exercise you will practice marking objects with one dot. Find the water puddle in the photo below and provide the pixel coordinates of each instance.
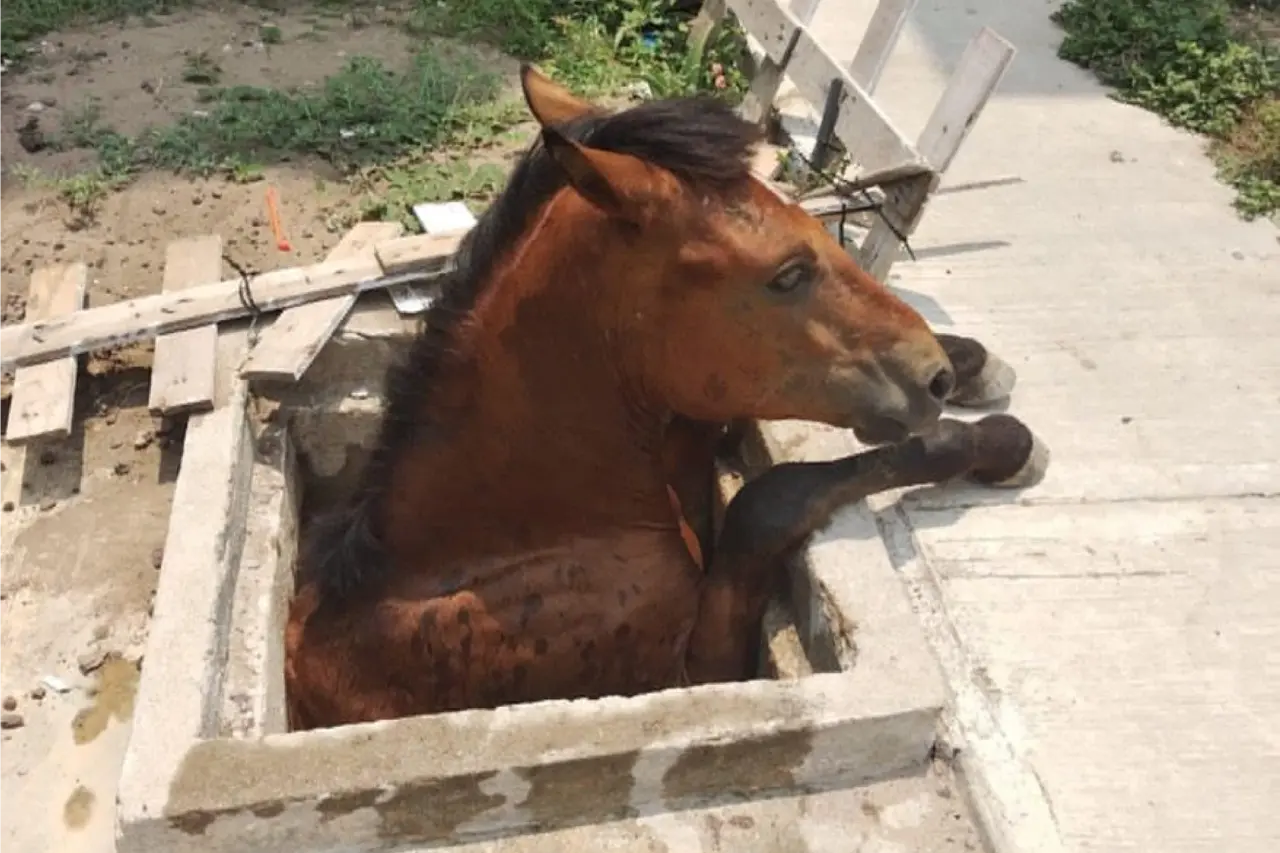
(79, 808)
(116, 687)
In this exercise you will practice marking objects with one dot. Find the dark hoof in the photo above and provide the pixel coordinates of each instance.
(1009, 455)
(992, 383)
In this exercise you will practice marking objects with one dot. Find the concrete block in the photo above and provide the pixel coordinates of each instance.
(334, 411)
(253, 689)
(851, 605)
(186, 652)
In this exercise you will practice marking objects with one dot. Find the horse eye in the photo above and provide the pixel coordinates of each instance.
(792, 278)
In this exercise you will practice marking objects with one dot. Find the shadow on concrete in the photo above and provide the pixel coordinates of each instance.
(947, 250)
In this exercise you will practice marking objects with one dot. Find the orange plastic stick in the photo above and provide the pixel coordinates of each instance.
(273, 217)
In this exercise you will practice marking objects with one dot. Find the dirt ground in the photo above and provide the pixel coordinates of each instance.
(134, 73)
(84, 519)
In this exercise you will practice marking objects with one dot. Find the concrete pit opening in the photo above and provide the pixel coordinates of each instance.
(848, 691)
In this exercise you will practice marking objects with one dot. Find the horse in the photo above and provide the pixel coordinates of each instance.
(534, 522)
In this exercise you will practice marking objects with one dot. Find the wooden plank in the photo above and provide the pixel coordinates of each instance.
(185, 363)
(758, 102)
(981, 67)
(404, 254)
(886, 24)
(43, 400)
(435, 218)
(878, 42)
(415, 258)
(443, 217)
(287, 347)
(867, 133)
(768, 23)
(804, 10)
(701, 27)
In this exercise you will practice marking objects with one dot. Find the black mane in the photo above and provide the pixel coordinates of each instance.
(701, 140)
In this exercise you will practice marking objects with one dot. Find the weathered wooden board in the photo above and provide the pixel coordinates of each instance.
(886, 24)
(418, 257)
(878, 42)
(867, 133)
(43, 400)
(185, 365)
(981, 67)
(287, 347)
(406, 254)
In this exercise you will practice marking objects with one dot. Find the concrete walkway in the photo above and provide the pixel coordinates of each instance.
(1112, 636)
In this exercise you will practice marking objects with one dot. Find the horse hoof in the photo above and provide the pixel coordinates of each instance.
(992, 384)
(1011, 455)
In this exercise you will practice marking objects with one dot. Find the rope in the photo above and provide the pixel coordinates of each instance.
(245, 291)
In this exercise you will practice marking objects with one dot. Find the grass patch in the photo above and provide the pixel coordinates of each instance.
(363, 114)
(1184, 60)
(388, 192)
(385, 127)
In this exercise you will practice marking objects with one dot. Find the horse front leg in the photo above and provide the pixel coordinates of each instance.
(982, 378)
(776, 513)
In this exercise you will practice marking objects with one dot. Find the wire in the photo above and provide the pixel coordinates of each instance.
(847, 192)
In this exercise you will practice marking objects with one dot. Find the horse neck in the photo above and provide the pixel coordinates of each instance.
(543, 430)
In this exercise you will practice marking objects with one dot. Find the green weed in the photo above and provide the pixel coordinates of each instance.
(389, 191)
(365, 113)
(201, 69)
(380, 124)
(82, 193)
(1183, 60)
(597, 46)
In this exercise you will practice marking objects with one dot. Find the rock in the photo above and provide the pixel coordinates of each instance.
(143, 440)
(11, 720)
(10, 703)
(37, 692)
(55, 684)
(8, 506)
(121, 469)
(31, 137)
(91, 660)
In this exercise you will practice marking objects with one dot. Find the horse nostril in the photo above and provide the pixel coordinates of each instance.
(942, 384)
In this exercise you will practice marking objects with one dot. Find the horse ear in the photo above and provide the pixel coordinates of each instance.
(620, 185)
(549, 102)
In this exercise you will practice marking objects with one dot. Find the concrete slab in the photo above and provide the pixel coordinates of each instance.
(1108, 637)
(919, 813)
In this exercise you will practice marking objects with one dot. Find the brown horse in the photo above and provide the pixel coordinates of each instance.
(534, 523)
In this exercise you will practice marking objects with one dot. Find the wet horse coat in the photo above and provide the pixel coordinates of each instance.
(535, 520)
